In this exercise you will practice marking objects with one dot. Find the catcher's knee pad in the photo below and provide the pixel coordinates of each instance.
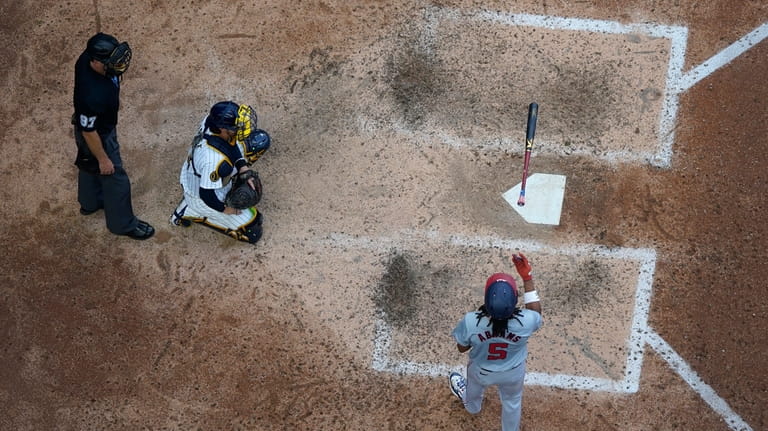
(254, 230)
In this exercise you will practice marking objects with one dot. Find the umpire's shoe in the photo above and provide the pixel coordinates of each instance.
(86, 212)
(143, 230)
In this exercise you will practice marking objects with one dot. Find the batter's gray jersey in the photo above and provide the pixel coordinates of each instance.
(497, 353)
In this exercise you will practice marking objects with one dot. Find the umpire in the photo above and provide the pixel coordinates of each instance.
(102, 181)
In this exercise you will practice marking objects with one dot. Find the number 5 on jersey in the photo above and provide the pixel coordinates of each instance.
(497, 351)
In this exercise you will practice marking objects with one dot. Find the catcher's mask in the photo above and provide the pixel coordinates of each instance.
(115, 56)
(245, 123)
(500, 296)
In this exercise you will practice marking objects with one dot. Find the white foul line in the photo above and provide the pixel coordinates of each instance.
(678, 82)
(723, 57)
(677, 363)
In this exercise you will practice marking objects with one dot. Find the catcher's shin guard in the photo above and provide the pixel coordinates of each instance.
(250, 233)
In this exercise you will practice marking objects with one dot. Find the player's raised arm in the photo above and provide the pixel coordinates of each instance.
(530, 297)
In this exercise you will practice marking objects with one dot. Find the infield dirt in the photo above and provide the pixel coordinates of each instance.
(389, 131)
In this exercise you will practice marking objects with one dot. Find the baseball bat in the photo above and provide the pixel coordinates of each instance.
(530, 131)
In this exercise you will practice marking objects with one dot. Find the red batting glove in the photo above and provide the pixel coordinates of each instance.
(522, 266)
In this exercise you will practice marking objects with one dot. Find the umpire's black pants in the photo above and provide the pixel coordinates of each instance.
(111, 192)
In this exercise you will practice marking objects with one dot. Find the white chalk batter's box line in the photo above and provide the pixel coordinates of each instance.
(635, 342)
(677, 36)
(677, 81)
(640, 333)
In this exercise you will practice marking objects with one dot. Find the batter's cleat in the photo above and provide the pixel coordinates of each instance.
(458, 385)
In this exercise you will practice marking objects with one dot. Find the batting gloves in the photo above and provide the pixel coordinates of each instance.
(522, 266)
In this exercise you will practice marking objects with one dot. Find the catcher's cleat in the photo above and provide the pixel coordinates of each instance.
(178, 221)
(458, 385)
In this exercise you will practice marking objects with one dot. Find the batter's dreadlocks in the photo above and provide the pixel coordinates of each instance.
(499, 326)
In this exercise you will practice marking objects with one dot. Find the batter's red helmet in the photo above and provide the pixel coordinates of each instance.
(500, 296)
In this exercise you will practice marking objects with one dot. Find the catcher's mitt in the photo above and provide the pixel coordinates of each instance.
(242, 195)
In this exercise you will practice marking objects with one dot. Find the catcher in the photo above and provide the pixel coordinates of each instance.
(220, 189)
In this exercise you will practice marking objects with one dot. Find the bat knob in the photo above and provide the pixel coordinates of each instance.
(521, 201)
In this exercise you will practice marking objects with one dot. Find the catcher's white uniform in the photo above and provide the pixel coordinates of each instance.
(209, 168)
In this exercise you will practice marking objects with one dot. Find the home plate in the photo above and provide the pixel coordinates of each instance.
(543, 198)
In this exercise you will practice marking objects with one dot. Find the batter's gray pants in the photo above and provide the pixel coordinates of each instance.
(510, 387)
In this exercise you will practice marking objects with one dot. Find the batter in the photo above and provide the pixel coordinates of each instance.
(496, 337)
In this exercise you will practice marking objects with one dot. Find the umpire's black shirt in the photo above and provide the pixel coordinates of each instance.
(96, 98)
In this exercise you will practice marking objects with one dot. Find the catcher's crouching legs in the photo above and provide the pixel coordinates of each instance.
(254, 230)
